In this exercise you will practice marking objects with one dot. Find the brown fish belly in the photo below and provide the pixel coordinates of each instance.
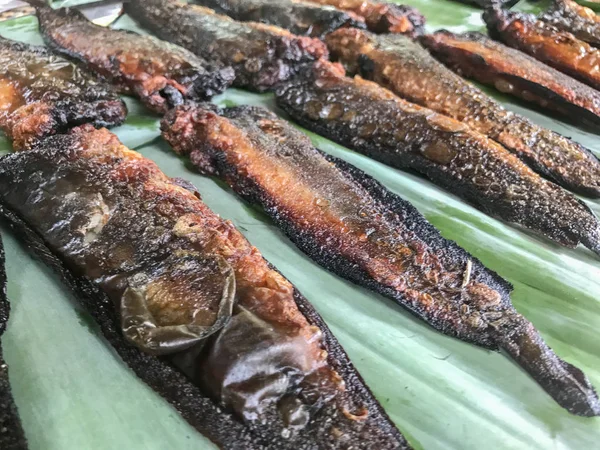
(568, 15)
(545, 42)
(511, 71)
(261, 55)
(371, 120)
(403, 66)
(186, 286)
(42, 94)
(382, 17)
(162, 75)
(352, 225)
(299, 17)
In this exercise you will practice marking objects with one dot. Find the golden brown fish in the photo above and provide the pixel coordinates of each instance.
(568, 15)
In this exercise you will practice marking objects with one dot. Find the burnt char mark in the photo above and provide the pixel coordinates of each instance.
(406, 136)
(162, 75)
(403, 66)
(303, 19)
(582, 22)
(511, 71)
(261, 55)
(12, 436)
(559, 49)
(45, 94)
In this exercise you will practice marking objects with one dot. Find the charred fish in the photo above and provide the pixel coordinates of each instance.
(353, 226)
(185, 299)
(582, 22)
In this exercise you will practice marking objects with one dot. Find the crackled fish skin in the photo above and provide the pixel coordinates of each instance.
(161, 74)
(131, 233)
(372, 120)
(12, 436)
(403, 66)
(382, 17)
(353, 226)
(545, 42)
(511, 71)
(261, 55)
(42, 94)
(582, 22)
(299, 17)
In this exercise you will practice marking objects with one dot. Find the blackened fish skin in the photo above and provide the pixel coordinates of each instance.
(12, 436)
(299, 17)
(582, 22)
(161, 74)
(407, 69)
(42, 94)
(511, 71)
(352, 225)
(382, 16)
(126, 232)
(545, 42)
(487, 3)
(261, 55)
(363, 116)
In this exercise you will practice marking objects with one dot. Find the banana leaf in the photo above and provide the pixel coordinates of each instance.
(73, 392)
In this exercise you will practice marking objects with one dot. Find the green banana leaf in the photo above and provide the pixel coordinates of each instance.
(73, 392)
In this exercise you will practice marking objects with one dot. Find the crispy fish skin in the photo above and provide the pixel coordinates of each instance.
(511, 71)
(403, 66)
(582, 22)
(139, 238)
(261, 55)
(545, 42)
(12, 436)
(299, 17)
(371, 120)
(161, 74)
(352, 225)
(382, 17)
(42, 94)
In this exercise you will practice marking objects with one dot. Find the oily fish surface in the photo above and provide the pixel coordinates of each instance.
(74, 393)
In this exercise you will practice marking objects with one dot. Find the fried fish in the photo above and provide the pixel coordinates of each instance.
(372, 120)
(297, 16)
(568, 15)
(545, 42)
(42, 94)
(403, 66)
(261, 55)
(160, 74)
(352, 225)
(186, 301)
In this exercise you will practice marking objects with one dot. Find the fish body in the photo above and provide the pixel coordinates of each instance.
(161, 75)
(511, 71)
(547, 43)
(299, 17)
(381, 16)
(361, 115)
(261, 55)
(185, 299)
(42, 94)
(582, 22)
(403, 66)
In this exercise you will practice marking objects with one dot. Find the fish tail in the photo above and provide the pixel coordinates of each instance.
(568, 385)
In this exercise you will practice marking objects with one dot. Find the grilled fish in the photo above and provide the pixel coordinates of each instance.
(174, 285)
(162, 75)
(372, 120)
(403, 66)
(545, 42)
(511, 71)
(582, 22)
(12, 436)
(42, 94)
(488, 3)
(382, 17)
(297, 16)
(352, 225)
(261, 55)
